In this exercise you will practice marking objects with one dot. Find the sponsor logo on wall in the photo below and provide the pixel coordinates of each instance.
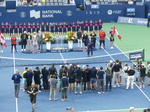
(130, 20)
(46, 13)
(69, 13)
(35, 14)
(92, 12)
(22, 14)
(110, 12)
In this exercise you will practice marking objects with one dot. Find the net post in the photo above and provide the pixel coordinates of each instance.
(143, 58)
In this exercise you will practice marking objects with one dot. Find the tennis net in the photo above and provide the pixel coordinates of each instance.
(9, 61)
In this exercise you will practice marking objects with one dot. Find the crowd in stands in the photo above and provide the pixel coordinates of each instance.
(43, 3)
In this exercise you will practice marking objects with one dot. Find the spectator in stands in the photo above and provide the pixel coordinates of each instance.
(78, 79)
(20, 3)
(116, 72)
(142, 76)
(94, 2)
(35, 3)
(81, 6)
(134, 1)
(93, 72)
(16, 77)
(53, 88)
(100, 80)
(13, 43)
(29, 1)
(130, 78)
(30, 4)
(64, 85)
(148, 21)
(45, 78)
(130, 2)
(37, 80)
(39, 3)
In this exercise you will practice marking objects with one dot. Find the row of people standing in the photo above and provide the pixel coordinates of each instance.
(29, 40)
(9, 28)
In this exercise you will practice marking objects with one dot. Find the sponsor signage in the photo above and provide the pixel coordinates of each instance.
(94, 6)
(136, 55)
(130, 12)
(131, 20)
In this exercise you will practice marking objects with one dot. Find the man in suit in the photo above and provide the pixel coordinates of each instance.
(89, 46)
(39, 40)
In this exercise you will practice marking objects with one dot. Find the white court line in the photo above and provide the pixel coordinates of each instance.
(16, 104)
(142, 91)
(134, 83)
(106, 52)
(62, 58)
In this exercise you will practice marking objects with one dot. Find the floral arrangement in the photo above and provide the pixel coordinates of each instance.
(70, 36)
(48, 37)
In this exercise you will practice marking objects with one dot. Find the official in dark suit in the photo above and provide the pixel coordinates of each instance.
(89, 46)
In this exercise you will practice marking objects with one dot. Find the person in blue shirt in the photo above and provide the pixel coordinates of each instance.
(148, 15)
(17, 79)
(29, 76)
(100, 80)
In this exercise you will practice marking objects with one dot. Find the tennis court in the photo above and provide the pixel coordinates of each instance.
(119, 100)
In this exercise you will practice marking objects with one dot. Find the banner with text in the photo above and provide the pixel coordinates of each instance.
(131, 20)
(136, 55)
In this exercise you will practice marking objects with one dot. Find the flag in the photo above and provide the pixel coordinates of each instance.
(2, 39)
(115, 31)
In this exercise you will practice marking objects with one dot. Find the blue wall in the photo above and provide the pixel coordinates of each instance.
(40, 14)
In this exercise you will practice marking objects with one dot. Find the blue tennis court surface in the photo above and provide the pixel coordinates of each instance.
(119, 98)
